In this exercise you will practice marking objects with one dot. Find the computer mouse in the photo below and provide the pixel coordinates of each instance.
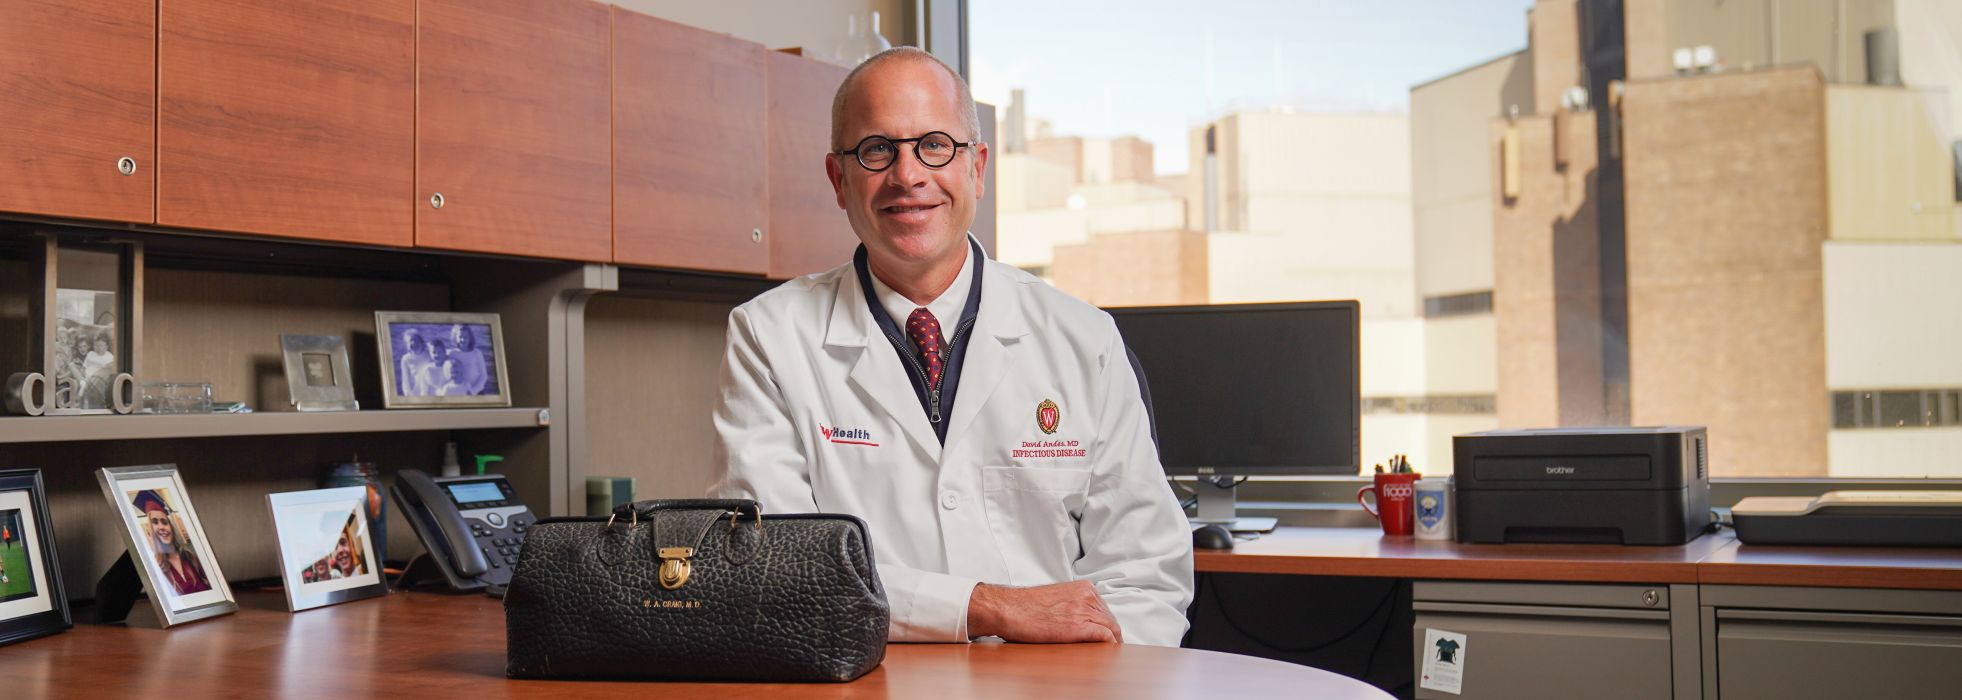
(1212, 537)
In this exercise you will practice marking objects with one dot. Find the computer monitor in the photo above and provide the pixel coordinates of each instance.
(1250, 389)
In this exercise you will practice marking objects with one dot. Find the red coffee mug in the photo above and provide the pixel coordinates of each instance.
(1394, 494)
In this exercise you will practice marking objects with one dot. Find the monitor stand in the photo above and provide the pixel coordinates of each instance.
(1216, 507)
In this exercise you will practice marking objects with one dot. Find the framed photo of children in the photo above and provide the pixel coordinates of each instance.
(441, 360)
(166, 543)
(32, 602)
(326, 554)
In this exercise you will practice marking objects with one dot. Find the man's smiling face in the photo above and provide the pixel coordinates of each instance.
(908, 215)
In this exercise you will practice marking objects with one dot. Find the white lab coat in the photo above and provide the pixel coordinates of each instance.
(818, 415)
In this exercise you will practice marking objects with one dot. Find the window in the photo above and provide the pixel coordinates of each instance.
(1735, 214)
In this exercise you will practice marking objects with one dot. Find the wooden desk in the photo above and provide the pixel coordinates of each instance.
(1716, 558)
(430, 645)
(1348, 551)
(1922, 568)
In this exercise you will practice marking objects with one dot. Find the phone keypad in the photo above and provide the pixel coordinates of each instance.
(500, 545)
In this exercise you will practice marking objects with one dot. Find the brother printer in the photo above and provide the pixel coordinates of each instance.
(1614, 485)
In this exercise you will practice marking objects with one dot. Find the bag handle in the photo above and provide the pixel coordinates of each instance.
(647, 509)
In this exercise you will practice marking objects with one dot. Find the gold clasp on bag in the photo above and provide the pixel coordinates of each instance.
(674, 566)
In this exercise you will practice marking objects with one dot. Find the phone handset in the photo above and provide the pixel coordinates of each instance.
(441, 515)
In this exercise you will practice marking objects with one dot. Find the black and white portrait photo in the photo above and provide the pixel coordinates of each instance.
(86, 348)
(441, 359)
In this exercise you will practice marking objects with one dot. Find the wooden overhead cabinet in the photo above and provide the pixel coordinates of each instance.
(513, 128)
(288, 118)
(808, 233)
(78, 108)
(689, 160)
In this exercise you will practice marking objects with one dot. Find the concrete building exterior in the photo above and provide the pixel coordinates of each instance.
(1585, 233)
(1308, 206)
(1765, 245)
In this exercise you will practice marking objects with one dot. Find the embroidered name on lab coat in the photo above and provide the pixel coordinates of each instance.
(1036, 449)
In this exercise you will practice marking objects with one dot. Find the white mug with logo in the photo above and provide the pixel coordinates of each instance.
(1432, 503)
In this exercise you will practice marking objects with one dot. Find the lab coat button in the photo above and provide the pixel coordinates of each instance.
(950, 500)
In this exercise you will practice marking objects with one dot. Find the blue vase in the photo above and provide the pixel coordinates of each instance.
(358, 473)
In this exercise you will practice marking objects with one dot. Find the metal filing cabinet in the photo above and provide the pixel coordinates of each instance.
(1787, 643)
(1538, 640)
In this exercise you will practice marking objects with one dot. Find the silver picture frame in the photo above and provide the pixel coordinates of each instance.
(126, 489)
(326, 551)
(441, 360)
(318, 375)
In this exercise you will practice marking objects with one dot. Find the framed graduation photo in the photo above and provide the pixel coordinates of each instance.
(166, 543)
(438, 360)
(326, 553)
(32, 602)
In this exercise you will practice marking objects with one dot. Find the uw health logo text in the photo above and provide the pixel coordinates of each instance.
(847, 436)
(1048, 448)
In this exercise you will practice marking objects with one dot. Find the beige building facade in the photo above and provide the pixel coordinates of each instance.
(1763, 199)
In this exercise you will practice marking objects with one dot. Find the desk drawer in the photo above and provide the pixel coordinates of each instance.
(1524, 652)
(1793, 654)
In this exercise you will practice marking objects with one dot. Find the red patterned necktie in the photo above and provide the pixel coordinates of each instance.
(924, 330)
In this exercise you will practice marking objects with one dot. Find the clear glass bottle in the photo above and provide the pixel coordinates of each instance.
(865, 44)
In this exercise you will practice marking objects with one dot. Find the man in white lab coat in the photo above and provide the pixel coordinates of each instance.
(987, 427)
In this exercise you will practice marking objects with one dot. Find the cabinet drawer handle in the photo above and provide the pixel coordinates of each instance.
(126, 165)
(436, 201)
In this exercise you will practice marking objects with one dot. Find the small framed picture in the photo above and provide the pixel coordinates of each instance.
(326, 553)
(317, 373)
(166, 543)
(32, 602)
(441, 359)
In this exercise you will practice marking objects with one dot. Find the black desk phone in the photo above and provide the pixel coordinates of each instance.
(471, 525)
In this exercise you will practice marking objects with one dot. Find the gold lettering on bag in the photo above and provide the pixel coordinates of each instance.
(674, 566)
(671, 604)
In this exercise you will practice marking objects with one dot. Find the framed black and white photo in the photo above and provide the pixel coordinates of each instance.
(78, 314)
(32, 601)
(166, 543)
(441, 359)
(317, 373)
(326, 553)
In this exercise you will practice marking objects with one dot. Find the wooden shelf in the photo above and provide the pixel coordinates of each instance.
(157, 427)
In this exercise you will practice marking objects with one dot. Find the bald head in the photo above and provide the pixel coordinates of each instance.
(891, 58)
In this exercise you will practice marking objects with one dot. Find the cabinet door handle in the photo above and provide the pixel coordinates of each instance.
(126, 165)
(756, 235)
(436, 201)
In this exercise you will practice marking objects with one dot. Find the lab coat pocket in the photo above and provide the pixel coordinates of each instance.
(1033, 512)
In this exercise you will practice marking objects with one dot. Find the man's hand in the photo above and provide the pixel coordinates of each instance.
(1059, 613)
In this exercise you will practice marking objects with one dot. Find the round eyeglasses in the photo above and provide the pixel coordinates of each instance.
(935, 150)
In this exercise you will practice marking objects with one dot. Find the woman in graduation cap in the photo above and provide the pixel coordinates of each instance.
(175, 557)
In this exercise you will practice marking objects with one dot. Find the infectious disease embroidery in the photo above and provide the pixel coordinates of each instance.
(1032, 449)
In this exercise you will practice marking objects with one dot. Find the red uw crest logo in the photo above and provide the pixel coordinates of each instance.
(1048, 416)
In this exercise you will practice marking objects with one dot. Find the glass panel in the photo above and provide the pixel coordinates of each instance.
(1673, 212)
(1900, 409)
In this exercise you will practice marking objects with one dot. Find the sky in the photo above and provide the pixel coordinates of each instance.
(1104, 69)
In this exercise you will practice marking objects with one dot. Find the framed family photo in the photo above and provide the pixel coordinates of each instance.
(326, 553)
(166, 543)
(433, 360)
(32, 602)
